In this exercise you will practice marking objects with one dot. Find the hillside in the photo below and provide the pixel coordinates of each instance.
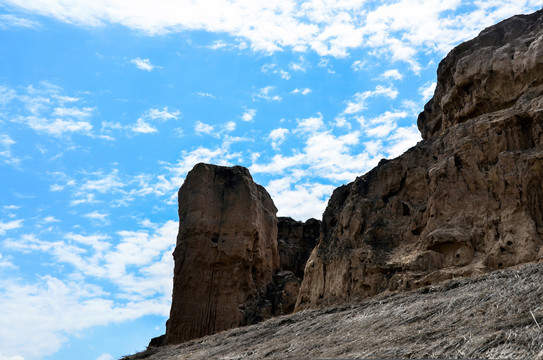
(497, 315)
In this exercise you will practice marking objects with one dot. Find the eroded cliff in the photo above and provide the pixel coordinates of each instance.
(468, 199)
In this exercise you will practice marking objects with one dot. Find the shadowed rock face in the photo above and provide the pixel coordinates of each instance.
(295, 240)
(226, 253)
(468, 199)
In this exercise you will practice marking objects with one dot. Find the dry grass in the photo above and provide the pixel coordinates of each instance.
(495, 316)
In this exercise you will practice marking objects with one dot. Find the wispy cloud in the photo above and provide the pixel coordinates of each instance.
(5, 150)
(303, 91)
(274, 69)
(12, 21)
(265, 93)
(358, 102)
(143, 64)
(6, 226)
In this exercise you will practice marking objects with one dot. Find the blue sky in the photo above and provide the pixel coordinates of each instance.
(105, 106)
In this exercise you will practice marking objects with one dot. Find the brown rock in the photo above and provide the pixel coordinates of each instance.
(295, 240)
(226, 253)
(468, 199)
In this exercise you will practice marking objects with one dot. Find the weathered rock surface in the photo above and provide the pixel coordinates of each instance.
(468, 199)
(296, 240)
(226, 253)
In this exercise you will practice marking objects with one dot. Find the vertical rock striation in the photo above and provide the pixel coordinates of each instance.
(467, 199)
(226, 253)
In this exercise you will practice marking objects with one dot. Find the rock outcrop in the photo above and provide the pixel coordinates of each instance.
(226, 253)
(467, 199)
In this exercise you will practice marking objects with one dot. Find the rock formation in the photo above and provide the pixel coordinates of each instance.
(235, 262)
(467, 199)
(226, 253)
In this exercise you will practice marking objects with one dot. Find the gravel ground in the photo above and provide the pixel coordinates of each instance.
(494, 316)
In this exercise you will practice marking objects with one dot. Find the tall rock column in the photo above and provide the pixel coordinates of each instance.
(226, 252)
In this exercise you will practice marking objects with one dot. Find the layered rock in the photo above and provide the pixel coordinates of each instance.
(467, 199)
(226, 254)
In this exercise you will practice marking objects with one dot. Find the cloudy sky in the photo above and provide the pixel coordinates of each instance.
(105, 106)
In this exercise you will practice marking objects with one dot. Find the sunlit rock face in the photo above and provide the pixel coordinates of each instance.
(226, 253)
(468, 199)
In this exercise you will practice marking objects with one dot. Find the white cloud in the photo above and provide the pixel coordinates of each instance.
(56, 127)
(383, 124)
(73, 112)
(303, 91)
(358, 103)
(10, 225)
(402, 139)
(138, 264)
(50, 219)
(392, 74)
(300, 201)
(143, 124)
(427, 91)
(202, 128)
(396, 29)
(277, 136)
(143, 64)
(143, 127)
(105, 356)
(230, 126)
(265, 94)
(4, 263)
(95, 215)
(10, 21)
(248, 115)
(274, 69)
(204, 94)
(301, 65)
(5, 150)
(359, 65)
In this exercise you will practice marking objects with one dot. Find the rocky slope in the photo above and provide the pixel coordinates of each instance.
(494, 316)
(466, 200)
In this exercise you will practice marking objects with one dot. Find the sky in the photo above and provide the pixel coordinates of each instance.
(105, 106)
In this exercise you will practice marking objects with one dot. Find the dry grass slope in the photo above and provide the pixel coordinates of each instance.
(494, 316)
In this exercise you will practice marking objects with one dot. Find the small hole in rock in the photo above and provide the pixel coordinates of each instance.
(509, 243)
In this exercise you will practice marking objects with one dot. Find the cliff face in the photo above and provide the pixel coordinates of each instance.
(226, 253)
(468, 199)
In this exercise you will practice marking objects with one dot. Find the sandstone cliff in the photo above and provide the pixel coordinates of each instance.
(468, 199)
(226, 253)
